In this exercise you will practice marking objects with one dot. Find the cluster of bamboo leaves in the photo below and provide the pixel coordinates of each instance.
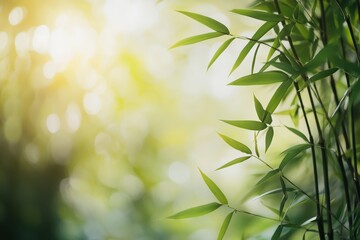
(314, 62)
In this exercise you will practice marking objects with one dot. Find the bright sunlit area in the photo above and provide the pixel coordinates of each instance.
(104, 127)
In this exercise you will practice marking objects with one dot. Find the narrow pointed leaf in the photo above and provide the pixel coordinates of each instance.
(196, 211)
(282, 34)
(209, 22)
(349, 67)
(284, 198)
(323, 74)
(256, 145)
(298, 133)
(258, 34)
(267, 176)
(274, 191)
(277, 233)
(254, 59)
(283, 66)
(196, 39)
(278, 96)
(325, 53)
(214, 189)
(268, 138)
(235, 144)
(261, 78)
(310, 220)
(221, 49)
(260, 15)
(247, 124)
(291, 153)
(282, 204)
(233, 162)
(225, 226)
(260, 111)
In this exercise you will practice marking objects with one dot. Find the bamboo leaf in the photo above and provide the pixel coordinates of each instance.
(255, 38)
(278, 96)
(274, 191)
(254, 59)
(209, 22)
(233, 162)
(221, 49)
(196, 211)
(291, 153)
(261, 113)
(268, 175)
(225, 226)
(260, 15)
(256, 145)
(284, 198)
(298, 133)
(261, 78)
(283, 66)
(349, 67)
(277, 233)
(214, 189)
(235, 144)
(323, 74)
(282, 34)
(247, 124)
(325, 53)
(268, 138)
(196, 39)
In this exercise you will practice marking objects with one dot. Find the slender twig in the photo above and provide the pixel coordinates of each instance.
(323, 30)
(319, 219)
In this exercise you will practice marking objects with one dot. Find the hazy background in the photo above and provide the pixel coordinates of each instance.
(102, 127)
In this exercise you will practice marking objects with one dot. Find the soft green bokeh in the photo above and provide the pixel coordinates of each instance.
(103, 127)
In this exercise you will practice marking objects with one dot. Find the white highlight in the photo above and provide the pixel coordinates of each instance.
(92, 103)
(53, 123)
(16, 16)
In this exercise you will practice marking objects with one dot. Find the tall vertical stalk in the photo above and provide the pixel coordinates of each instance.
(321, 138)
(319, 218)
(323, 30)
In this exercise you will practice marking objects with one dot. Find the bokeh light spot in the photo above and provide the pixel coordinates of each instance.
(22, 43)
(53, 123)
(16, 16)
(178, 172)
(73, 117)
(92, 103)
(41, 39)
(3, 40)
(49, 70)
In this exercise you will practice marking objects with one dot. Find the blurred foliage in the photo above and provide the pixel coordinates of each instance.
(100, 128)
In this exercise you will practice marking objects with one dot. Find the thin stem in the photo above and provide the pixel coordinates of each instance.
(323, 30)
(352, 125)
(319, 218)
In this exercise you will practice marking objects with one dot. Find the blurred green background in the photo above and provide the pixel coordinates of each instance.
(102, 127)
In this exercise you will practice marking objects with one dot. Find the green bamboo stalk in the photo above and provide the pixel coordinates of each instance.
(321, 140)
(319, 218)
(323, 30)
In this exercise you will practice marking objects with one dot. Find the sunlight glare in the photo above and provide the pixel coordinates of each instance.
(16, 16)
(129, 16)
(49, 70)
(41, 39)
(92, 103)
(73, 117)
(22, 43)
(53, 123)
(4, 38)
